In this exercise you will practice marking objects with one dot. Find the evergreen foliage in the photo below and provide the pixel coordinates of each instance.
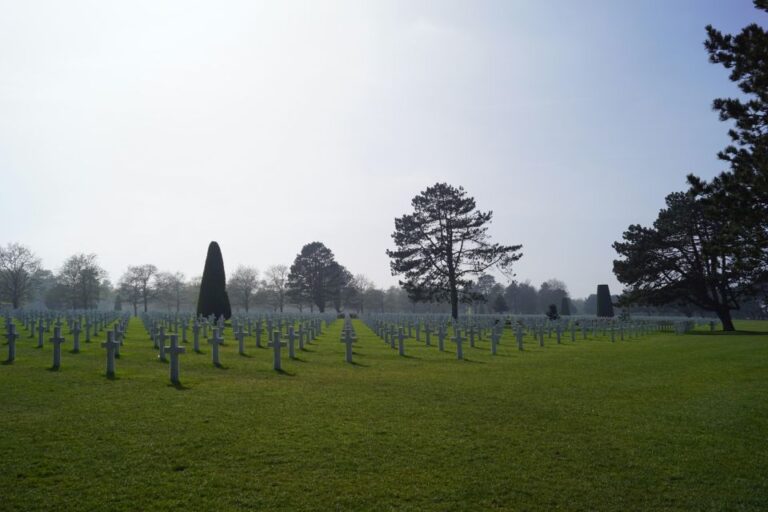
(709, 247)
(552, 312)
(213, 298)
(442, 244)
(317, 277)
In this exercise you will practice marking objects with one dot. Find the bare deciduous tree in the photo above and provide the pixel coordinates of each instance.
(18, 266)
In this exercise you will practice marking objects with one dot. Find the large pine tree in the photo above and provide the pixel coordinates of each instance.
(443, 244)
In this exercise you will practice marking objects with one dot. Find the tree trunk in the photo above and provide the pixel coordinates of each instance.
(724, 314)
(454, 303)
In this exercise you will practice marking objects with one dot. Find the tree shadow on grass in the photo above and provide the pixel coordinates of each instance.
(112, 377)
(179, 386)
(406, 356)
(306, 350)
(7, 362)
(298, 360)
(361, 365)
(283, 372)
(246, 355)
(727, 333)
(220, 366)
(473, 361)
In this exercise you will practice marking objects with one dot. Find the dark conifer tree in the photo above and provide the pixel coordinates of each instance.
(552, 312)
(213, 298)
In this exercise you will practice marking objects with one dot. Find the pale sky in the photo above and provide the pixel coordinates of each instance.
(141, 131)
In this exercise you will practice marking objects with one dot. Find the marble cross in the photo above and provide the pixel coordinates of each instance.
(240, 337)
(196, 336)
(57, 340)
(112, 347)
(458, 341)
(160, 340)
(76, 336)
(11, 335)
(276, 345)
(348, 339)
(175, 350)
(215, 341)
(291, 343)
(494, 340)
(441, 338)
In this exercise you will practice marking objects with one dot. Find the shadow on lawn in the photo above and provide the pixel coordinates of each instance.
(727, 333)
(179, 386)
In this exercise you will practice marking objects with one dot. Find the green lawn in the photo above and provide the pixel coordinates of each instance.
(660, 423)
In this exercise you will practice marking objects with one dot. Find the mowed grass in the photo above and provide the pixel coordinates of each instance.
(662, 422)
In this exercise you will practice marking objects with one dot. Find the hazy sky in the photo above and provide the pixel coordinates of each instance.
(141, 131)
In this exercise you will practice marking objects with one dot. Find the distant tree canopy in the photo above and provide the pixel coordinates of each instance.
(242, 285)
(522, 298)
(442, 244)
(79, 282)
(18, 269)
(135, 284)
(552, 291)
(213, 298)
(276, 286)
(169, 289)
(316, 276)
(500, 304)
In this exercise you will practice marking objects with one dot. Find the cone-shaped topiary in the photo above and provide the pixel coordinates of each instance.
(604, 304)
(565, 306)
(213, 298)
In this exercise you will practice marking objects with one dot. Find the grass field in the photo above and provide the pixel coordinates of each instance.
(663, 422)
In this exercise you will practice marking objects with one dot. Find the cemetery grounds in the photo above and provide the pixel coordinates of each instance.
(657, 422)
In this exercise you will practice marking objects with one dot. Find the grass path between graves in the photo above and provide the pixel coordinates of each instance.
(663, 422)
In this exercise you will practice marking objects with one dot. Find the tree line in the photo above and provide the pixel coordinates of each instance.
(81, 283)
